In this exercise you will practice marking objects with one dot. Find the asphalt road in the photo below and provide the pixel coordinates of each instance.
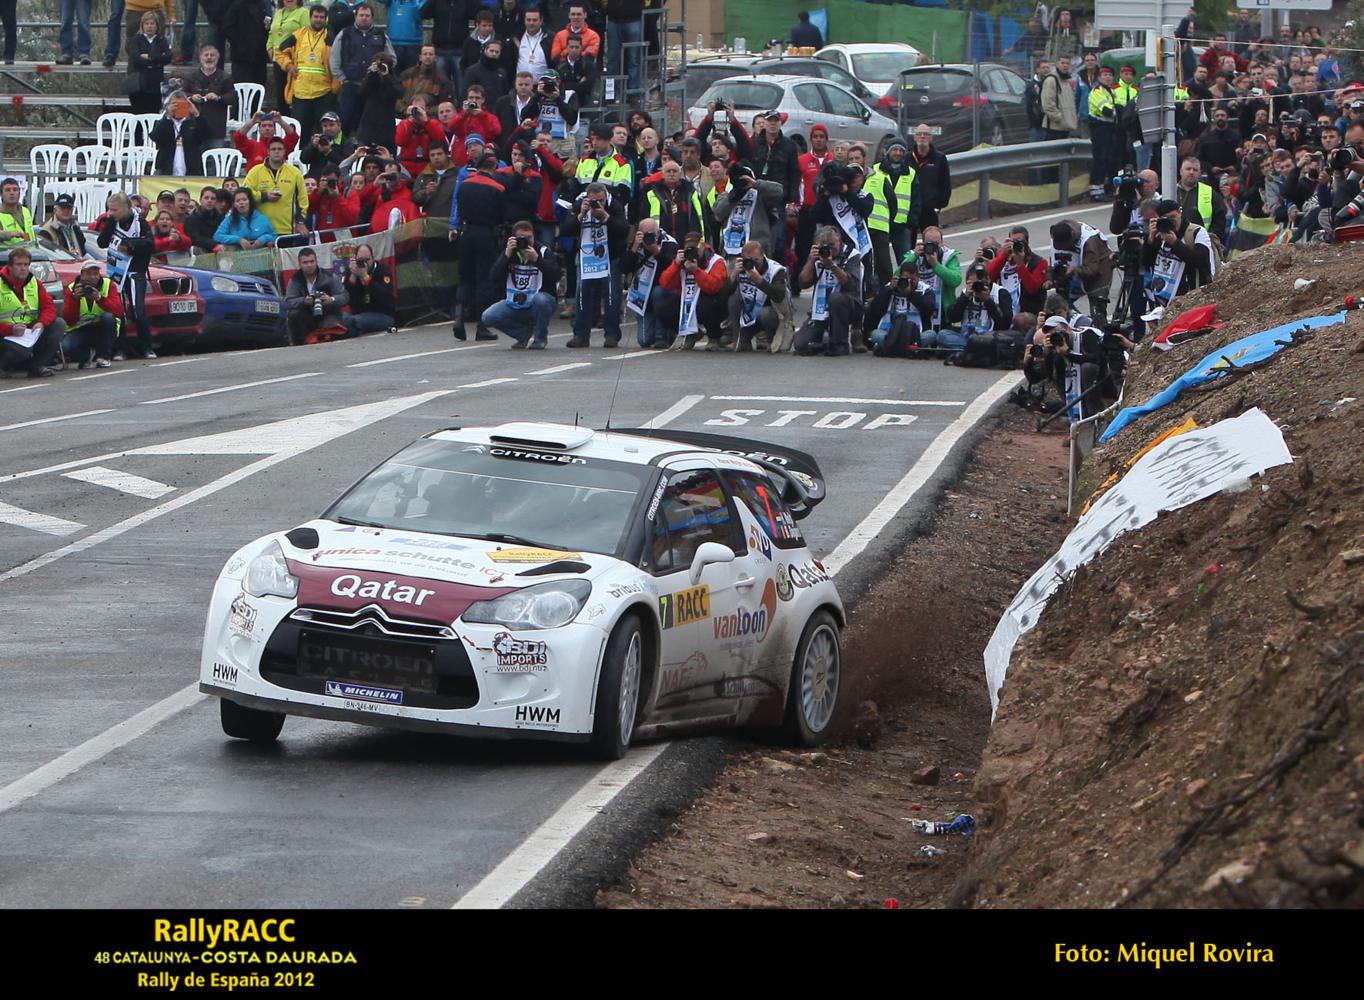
(122, 493)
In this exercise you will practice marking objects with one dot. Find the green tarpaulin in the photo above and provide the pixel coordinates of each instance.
(850, 21)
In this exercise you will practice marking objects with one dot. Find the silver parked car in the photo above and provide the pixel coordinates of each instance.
(803, 101)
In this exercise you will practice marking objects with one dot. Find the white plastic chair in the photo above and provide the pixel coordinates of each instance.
(52, 160)
(296, 125)
(224, 162)
(142, 135)
(296, 159)
(250, 97)
(136, 161)
(116, 129)
(91, 197)
(92, 162)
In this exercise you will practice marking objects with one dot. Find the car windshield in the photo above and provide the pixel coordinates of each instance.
(480, 491)
(746, 95)
(935, 82)
(882, 67)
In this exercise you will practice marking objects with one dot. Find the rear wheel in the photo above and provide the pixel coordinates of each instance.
(812, 696)
(618, 690)
(251, 724)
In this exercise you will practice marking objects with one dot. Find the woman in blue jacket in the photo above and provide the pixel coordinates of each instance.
(244, 228)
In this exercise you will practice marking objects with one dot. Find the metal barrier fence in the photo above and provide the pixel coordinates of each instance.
(978, 167)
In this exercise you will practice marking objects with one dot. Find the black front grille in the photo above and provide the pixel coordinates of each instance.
(175, 320)
(253, 321)
(174, 286)
(450, 682)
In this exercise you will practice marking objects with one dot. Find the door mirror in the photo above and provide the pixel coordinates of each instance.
(709, 552)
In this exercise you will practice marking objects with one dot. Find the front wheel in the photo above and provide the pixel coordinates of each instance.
(816, 673)
(251, 724)
(618, 690)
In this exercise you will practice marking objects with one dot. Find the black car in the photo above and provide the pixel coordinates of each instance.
(949, 96)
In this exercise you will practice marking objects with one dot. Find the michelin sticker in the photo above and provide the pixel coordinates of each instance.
(363, 692)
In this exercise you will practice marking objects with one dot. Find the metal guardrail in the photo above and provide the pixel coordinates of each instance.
(978, 164)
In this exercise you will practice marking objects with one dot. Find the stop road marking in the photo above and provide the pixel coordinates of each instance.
(837, 420)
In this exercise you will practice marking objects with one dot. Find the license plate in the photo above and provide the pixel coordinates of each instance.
(184, 306)
(267, 306)
(358, 660)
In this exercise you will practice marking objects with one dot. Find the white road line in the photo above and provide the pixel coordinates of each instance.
(227, 388)
(673, 412)
(25, 388)
(53, 420)
(116, 371)
(630, 355)
(97, 746)
(933, 457)
(560, 368)
(419, 354)
(45, 523)
(487, 382)
(847, 399)
(182, 361)
(124, 482)
(551, 836)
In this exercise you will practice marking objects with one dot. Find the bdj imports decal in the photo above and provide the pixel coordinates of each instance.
(750, 623)
(684, 606)
(519, 653)
(241, 616)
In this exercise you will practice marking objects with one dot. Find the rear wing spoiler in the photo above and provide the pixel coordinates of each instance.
(794, 472)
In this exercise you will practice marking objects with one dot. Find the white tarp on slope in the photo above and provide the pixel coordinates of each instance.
(1174, 474)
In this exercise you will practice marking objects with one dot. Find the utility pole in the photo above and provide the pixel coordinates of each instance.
(1169, 167)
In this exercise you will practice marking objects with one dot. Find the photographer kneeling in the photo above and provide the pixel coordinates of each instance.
(900, 305)
(760, 299)
(369, 287)
(91, 309)
(1080, 252)
(1177, 256)
(653, 253)
(984, 314)
(530, 273)
(833, 272)
(313, 298)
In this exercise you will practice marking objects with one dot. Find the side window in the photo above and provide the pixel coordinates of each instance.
(693, 510)
(808, 96)
(841, 102)
(763, 501)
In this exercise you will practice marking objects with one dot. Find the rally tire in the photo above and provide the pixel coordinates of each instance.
(816, 680)
(619, 690)
(251, 724)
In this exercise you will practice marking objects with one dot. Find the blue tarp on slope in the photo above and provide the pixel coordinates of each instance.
(1245, 351)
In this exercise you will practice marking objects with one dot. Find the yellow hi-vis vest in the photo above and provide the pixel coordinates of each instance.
(23, 312)
(90, 311)
(611, 170)
(22, 221)
(880, 218)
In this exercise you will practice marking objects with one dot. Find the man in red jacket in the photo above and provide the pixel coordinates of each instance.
(473, 119)
(334, 210)
(267, 124)
(415, 136)
(1022, 273)
(29, 328)
(699, 275)
(91, 309)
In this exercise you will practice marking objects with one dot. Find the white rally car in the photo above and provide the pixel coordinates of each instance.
(540, 580)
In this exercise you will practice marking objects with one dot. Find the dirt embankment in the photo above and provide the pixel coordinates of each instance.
(783, 829)
(1185, 726)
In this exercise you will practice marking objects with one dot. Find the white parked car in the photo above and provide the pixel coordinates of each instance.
(539, 580)
(876, 64)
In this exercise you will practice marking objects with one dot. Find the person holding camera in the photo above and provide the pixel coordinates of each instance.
(306, 57)
(984, 315)
(1020, 272)
(530, 274)
(598, 222)
(557, 112)
(353, 51)
(760, 301)
(895, 193)
(746, 209)
(369, 288)
(267, 125)
(1133, 187)
(652, 253)
(1079, 253)
(521, 105)
(327, 147)
(332, 208)
(699, 276)
(896, 312)
(91, 309)
(1177, 257)
(472, 119)
(416, 135)
(180, 136)
(313, 298)
(379, 90)
(939, 269)
(840, 205)
(833, 273)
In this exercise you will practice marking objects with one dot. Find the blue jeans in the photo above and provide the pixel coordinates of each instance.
(660, 316)
(590, 292)
(520, 324)
(115, 37)
(361, 323)
(351, 106)
(617, 33)
(79, 10)
(98, 337)
(447, 61)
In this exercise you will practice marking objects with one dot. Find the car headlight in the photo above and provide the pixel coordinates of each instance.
(220, 284)
(547, 606)
(268, 573)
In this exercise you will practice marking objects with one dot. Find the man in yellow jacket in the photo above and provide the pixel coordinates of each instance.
(306, 57)
(278, 190)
